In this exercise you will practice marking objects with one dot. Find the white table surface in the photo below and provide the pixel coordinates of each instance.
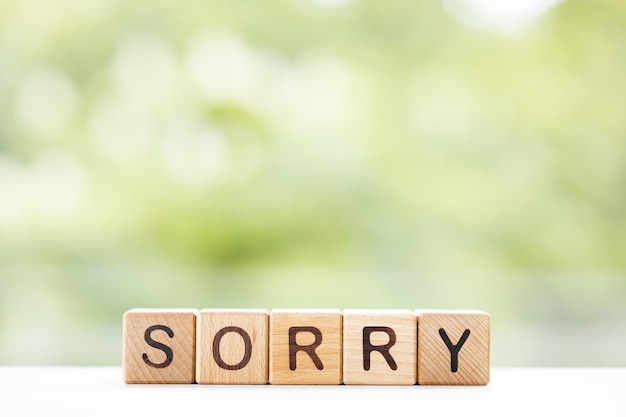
(512, 392)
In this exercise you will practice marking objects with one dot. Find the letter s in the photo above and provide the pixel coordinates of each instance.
(169, 355)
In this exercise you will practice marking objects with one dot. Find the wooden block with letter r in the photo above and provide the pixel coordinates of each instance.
(379, 347)
(159, 346)
(305, 347)
(232, 346)
(453, 347)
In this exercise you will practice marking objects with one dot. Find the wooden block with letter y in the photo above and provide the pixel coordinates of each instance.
(232, 346)
(453, 347)
(159, 346)
(379, 347)
(305, 347)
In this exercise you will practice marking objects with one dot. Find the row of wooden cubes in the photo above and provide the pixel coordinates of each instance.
(378, 347)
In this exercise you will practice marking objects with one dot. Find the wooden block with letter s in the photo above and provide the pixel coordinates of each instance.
(453, 347)
(159, 346)
(305, 347)
(232, 346)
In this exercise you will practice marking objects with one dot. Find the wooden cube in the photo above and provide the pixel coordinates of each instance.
(232, 346)
(305, 347)
(453, 347)
(159, 346)
(379, 347)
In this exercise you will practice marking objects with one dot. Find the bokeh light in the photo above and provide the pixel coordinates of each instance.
(313, 153)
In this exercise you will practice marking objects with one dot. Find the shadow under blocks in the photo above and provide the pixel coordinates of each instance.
(306, 346)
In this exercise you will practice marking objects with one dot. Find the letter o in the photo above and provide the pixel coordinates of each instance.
(216, 348)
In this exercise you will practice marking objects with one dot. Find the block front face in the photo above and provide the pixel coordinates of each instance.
(159, 346)
(305, 347)
(232, 347)
(379, 347)
(453, 347)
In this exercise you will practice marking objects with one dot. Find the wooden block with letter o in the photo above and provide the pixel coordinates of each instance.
(305, 347)
(379, 347)
(232, 346)
(159, 346)
(453, 347)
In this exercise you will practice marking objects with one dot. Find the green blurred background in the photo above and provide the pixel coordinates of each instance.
(313, 153)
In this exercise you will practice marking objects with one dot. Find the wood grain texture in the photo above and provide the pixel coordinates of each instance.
(366, 332)
(232, 346)
(442, 335)
(302, 341)
(159, 346)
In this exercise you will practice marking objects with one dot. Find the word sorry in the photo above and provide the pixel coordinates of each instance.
(243, 346)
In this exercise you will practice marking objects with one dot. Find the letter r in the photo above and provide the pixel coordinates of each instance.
(294, 347)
